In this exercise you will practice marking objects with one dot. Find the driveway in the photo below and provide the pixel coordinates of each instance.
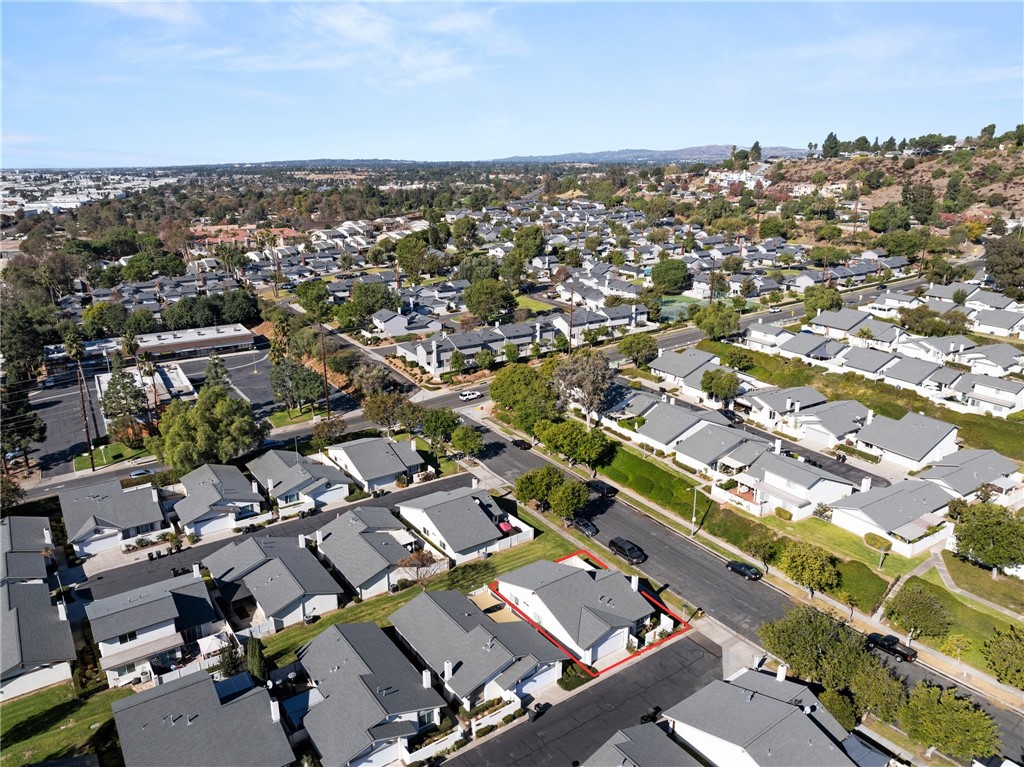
(573, 730)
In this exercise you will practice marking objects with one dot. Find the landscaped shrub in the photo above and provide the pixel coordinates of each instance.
(729, 484)
(783, 514)
(403, 584)
(487, 730)
(573, 677)
(877, 542)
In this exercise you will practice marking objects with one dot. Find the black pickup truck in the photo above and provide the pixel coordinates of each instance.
(890, 644)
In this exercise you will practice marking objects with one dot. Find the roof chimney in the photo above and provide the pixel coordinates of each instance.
(870, 416)
(319, 537)
(447, 670)
(634, 582)
(302, 541)
(789, 404)
(275, 711)
(62, 610)
(196, 573)
(865, 484)
(47, 538)
(778, 446)
(475, 482)
(780, 673)
(426, 679)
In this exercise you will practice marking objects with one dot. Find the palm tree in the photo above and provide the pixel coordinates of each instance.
(129, 345)
(148, 368)
(75, 348)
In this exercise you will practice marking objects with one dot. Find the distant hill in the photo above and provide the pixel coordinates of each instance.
(709, 153)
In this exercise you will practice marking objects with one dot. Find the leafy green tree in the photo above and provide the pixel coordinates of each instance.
(568, 499)
(314, 298)
(11, 493)
(918, 612)
(919, 199)
(584, 378)
(529, 243)
(123, 401)
(370, 379)
(410, 415)
(765, 547)
(327, 432)
(772, 226)
(104, 319)
(877, 690)
(384, 409)
(717, 320)
(955, 726)
(539, 484)
(810, 566)
(821, 298)
(956, 645)
(21, 427)
(255, 661)
(214, 429)
(889, 218)
(216, 373)
(841, 706)
(140, 321)
(755, 152)
(830, 146)
(488, 298)
(371, 297)
(438, 425)
(467, 440)
(231, 661)
(512, 269)
(1004, 653)
(1004, 260)
(21, 341)
(720, 384)
(815, 645)
(992, 535)
(190, 312)
(479, 267)
(671, 276)
(641, 348)
(594, 449)
(510, 352)
(464, 232)
(411, 252)
(457, 364)
(484, 359)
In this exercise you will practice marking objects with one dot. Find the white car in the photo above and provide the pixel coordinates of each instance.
(775, 310)
(467, 396)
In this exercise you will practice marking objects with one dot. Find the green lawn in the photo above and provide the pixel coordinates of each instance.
(444, 465)
(1005, 590)
(281, 647)
(289, 417)
(843, 543)
(107, 455)
(971, 619)
(51, 723)
(662, 485)
(977, 431)
(862, 584)
(525, 302)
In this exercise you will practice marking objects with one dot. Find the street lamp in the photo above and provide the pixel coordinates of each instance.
(693, 518)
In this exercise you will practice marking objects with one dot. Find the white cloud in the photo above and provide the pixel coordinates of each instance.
(173, 12)
(19, 138)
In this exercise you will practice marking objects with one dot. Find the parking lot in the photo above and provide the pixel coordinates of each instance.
(60, 407)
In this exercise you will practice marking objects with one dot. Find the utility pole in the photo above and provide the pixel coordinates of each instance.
(323, 360)
(85, 418)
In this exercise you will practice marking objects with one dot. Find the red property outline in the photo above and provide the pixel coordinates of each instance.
(584, 553)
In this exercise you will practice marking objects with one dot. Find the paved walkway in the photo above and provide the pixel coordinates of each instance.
(940, 564)
(920, 570)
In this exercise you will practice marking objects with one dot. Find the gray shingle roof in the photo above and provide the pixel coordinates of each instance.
(213, 485)
(377, 457)
(283, 472)
(913, 436)
(891, 508)
(665, 423)
(184, 723)
(22, 541)
(464, 517)
(682, 364)
(966, 470)
(799, 473)
(839, 418)
(31, 630)
(275, 570)
(107, 503)
(911, 371)
(867, 360)
(364, 679)
(184, 599)
(999, 318)
(646, 745)
(811, 345)
(714, 442)
(777, 399)
(585, 603)
(359, 547)
(772, 728)
(844, 319)
(446, 626)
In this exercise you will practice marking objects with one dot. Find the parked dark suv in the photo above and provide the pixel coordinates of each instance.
(749, 572)
(603, 489)
(627, 550)
(890, 644)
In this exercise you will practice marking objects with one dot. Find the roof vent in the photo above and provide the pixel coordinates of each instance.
(750, 697)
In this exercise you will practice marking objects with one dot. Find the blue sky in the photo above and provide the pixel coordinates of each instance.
(150, 83)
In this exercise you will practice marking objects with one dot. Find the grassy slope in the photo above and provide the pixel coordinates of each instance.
(1005, 590)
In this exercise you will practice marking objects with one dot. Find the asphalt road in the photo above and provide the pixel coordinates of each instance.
(701, 578)
(145, 572)
(573, 730)
(60, 408)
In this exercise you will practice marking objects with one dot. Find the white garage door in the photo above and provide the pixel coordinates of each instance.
(538, 680)
(215, 525)
(100, 543)
(614, 641)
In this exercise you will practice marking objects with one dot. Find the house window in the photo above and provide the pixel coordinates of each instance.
(131, 636)
(425, 718)
(125, 670)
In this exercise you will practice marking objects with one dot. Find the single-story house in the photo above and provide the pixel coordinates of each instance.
(475, 657)
(828, 424)
(36, 646)
(719, 450)
(774, 481)
(298, 483)
(392, 324)
(105, 516)
(997, 360)
(965, 473)
(765, 338)
(142, 631)
(370, 549)
(812, 347)
(366, 700)
(280, 579)
(999, 322)
(375, 462)
(26, 549)
(591, 613)
(643, 745)
(870, 363)
(913, 442)
(910, 514)
(771, 406)
(196, 722)
(217, 498)
(985, 394)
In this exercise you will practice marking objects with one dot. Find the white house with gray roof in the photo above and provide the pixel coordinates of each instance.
(142, 631)
(770, 406)
(369, 548)
(475, 657)
(685, 370)
(758, 720)
(913, 442)
(26, 549)
(197, 722)
(275, 580)
(988, 395)
(775, 481)
(657, 422)
(719, 450)
(366, 701)
(105, 516)
(966, 473)
(910, 514)
(298, 483)
(997, 360)
(763, 337)
(645, 745)
(217, 498)
(465, 523)
(591, 613)
(36, 646)
(374, 462)
(828, 424)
